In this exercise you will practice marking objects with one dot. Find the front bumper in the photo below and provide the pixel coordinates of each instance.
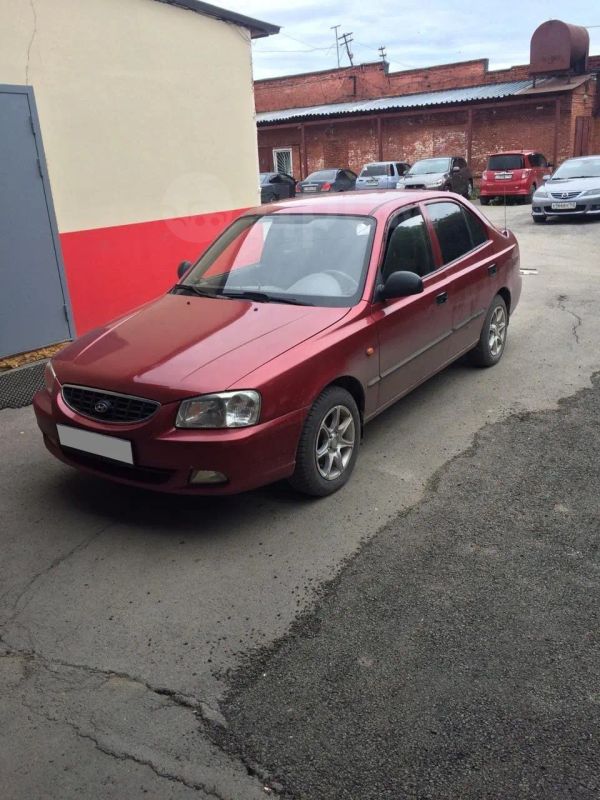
(164, 456)
(583, 207)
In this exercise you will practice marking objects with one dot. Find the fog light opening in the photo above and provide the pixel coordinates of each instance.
(207, 476)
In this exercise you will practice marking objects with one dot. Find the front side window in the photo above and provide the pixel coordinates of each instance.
(451, 229)
(307, 259)
(408, 248)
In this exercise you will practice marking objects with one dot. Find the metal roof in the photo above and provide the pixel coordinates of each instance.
(493, 91)
(257, 28)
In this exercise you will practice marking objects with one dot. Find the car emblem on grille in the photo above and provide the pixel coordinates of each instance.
(102, 406)
(564, 194)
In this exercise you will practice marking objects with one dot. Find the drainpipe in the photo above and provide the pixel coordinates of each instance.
(556, 129)
(379, 139)
(469, 135)
(303, 156)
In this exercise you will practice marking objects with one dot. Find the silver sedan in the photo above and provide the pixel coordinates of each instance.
(573, 190)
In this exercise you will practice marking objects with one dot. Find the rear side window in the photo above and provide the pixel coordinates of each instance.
(451, 229)
(408, 245)
(508, 161)
(477, 229)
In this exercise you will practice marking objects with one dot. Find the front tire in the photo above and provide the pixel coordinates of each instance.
(485, 201)
(492, 339)
(328, 446)
(539, 220)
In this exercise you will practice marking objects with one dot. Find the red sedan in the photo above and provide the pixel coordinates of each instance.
(298, 325)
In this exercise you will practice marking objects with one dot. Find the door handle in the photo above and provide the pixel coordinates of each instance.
(441, 298)
(492, 269)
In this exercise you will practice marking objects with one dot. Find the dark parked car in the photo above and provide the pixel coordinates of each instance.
(276, 186)
(517, 173)
(573, 190)
(381, 174)
(328, 180)
(451, 173)
(302, 322)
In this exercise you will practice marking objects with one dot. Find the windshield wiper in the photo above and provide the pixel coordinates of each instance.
(263, 297)
(188, 287)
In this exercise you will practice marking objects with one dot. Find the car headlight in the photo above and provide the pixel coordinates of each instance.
(540, 193)
(221, 410)
(437, 183)
(50, 379)
(591, 191)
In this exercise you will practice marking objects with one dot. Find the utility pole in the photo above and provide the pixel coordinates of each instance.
(382, 53)
(346, 40)
(337, 44)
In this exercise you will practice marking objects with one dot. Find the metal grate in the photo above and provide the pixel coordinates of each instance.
(108, 406)
(17, 386)
(564, 195)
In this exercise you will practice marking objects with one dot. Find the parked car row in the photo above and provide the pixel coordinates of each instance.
(573, 189)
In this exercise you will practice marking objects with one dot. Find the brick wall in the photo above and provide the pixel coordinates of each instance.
(367, 81)
(528, 125)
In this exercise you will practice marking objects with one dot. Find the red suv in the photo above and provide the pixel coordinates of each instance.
(517, 173)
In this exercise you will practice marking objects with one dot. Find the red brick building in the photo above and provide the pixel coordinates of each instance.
(349, 116)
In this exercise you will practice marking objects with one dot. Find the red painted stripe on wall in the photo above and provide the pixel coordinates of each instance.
(112, 270)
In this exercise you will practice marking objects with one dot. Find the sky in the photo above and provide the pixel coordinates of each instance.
(415, 34)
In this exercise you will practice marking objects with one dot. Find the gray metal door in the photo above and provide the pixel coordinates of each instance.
(34, 307)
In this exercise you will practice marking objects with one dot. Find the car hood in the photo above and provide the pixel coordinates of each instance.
(179, 345)
(571, 185)
(427, 178)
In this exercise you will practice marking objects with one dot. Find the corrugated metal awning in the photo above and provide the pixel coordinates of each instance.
(426, 99)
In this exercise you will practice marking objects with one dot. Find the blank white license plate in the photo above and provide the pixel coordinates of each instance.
(96, 443)
(310, 188)
(558, 206)
(504, 176)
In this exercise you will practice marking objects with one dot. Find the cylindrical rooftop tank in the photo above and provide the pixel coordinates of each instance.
(558, 47)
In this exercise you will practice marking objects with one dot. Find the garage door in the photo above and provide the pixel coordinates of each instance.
(34, 307)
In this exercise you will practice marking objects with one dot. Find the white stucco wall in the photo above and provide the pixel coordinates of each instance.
(146, 109)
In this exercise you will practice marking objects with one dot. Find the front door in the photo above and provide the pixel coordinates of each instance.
(33, 301)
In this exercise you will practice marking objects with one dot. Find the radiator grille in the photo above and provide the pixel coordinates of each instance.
(108, 406)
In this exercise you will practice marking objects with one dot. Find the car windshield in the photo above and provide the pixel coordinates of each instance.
(323, 175)
(578, 168)
(374, 169)
(308, 259)
(506, 161)
(429, 166)
(265, 177)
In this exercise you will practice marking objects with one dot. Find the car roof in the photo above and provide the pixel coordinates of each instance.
(359, 203)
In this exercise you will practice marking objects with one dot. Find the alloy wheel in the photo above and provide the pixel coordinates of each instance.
(335, 442)
(497, 331)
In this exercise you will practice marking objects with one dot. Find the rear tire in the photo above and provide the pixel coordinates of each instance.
(328, 445)
(492, 338)
(485, 201)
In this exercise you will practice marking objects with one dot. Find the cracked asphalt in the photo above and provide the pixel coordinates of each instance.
(454, 615)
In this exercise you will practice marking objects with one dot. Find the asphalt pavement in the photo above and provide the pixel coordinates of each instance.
(457, 655)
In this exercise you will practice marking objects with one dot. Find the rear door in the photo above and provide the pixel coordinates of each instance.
(467, 257)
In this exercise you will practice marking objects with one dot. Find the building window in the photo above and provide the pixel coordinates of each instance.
(282, 160)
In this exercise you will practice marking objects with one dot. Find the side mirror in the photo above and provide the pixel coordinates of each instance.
(183, 268)
(400, 284)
